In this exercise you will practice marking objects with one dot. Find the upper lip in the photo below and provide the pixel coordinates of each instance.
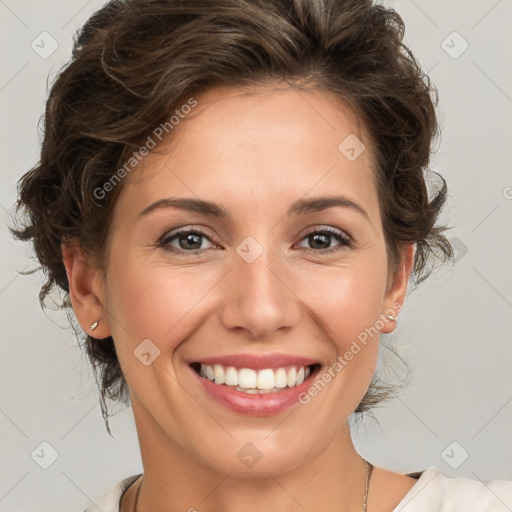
(257, 362)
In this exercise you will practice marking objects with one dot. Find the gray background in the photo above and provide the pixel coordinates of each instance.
(454, 332)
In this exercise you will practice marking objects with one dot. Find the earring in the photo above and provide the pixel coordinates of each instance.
(94, 325)
(391, 317)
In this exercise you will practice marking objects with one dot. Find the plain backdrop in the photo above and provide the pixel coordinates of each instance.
(454, 333)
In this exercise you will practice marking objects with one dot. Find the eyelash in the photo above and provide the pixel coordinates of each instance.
(344, 239)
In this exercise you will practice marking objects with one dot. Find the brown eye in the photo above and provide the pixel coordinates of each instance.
(189, 240)
(320, 240)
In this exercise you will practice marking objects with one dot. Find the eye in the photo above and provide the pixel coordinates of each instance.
(321, 238)
(188, 241)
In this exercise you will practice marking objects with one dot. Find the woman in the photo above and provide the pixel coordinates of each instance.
(232, 196)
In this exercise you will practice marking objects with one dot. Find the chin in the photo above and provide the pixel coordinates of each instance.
(273, 463)
(253, 455)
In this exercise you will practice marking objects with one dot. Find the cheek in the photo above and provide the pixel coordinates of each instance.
(358, 304)
(351, 318)
(348, 304)
(348, 299)
(155, 302)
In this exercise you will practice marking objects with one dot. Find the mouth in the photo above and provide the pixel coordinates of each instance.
(256, 381)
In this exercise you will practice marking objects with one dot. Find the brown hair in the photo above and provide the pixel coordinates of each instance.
(135, 60)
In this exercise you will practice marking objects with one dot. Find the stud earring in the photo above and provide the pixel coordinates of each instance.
(94, 325)
(391, 317)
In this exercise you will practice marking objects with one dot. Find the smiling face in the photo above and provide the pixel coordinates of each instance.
(235, 276)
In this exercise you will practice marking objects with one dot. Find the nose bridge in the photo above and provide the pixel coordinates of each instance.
(259, 299)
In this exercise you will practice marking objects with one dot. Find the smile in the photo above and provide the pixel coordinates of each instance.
(255, 381)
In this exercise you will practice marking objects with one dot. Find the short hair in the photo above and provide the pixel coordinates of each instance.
(134, 61)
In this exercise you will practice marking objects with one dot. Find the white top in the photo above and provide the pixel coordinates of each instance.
(433, 492)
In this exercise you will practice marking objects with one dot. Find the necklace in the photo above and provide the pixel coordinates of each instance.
(365, 499)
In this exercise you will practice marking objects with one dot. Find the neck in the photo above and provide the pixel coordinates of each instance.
(176, 480)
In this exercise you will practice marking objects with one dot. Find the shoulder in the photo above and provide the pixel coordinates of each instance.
(435, 491)
(110, 499)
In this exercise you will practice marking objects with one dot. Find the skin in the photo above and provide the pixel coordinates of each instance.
(255, 154)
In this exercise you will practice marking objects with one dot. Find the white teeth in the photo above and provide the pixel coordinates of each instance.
(280, 378)
(218, 372)
(265, 379)
(292, 377)
(300, 376)
(250, 390)
(247, 378)
(256, 381)
(230, 376)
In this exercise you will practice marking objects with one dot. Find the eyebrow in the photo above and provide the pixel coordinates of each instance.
(300, 207)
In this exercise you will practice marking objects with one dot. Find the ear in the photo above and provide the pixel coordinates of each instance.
(395, 294)
(86, 290)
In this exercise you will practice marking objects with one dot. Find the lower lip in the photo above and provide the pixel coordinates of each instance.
(267, 404)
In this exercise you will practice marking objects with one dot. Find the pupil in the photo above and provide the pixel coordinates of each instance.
(191, 239)
(316, 238)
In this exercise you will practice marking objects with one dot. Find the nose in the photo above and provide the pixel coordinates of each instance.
(259, 300)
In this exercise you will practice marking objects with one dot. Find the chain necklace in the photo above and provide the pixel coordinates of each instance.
(365, 499)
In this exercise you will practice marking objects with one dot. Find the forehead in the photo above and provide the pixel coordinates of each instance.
(258, 113)
(258, 143)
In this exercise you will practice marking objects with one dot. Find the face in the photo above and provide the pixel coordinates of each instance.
(268, 282)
